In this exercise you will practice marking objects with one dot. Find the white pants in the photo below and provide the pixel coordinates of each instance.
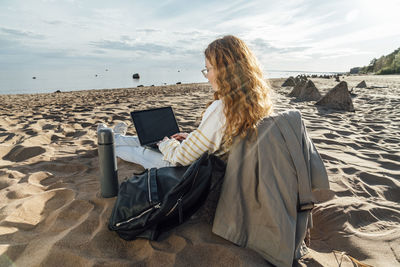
(128, 148)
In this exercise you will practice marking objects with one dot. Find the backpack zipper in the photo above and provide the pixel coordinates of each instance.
(148, 186)
(157, 206)
(178, 202)
(174, 207)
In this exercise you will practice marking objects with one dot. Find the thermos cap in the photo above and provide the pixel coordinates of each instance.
(105, 136)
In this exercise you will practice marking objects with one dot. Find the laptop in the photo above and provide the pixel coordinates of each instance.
(152, 125)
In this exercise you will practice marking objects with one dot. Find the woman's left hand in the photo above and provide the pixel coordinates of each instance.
(165, 139)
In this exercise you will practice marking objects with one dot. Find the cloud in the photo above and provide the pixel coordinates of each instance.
(19, 52)
(147, 31)
(194, 39)
(188, 33)
(239, 9)
(264, 46)
(23, 34)
(352, 15)
(109, 13)
(53, 22)
(126, 45)
(99, 51)
(126, 38)
(8, 47)
(154, 48)
(357, 36)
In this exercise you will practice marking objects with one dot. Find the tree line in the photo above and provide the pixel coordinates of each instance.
(389, 64)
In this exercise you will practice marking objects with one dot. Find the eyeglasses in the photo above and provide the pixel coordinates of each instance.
(205, 71)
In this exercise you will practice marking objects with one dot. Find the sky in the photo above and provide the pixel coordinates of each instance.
(284, 35)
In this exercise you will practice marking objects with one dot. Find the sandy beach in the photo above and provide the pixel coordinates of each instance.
(51, 212)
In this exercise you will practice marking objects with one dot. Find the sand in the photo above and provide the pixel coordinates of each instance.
(51, 213)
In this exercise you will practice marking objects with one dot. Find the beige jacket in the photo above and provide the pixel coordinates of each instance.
(259, 203)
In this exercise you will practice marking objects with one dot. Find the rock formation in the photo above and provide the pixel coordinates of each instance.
(300, 78)
(297, 89)
(309, 92)
(289, 82)
(361, 85)
(337, 98)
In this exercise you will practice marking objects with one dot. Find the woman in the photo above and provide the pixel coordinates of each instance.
(241, 100)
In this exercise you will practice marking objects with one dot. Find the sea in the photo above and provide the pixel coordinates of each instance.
(73, 80)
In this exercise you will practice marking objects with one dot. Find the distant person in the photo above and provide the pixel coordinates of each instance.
(241, 100)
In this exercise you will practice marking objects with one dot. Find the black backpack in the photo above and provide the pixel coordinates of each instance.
(160, 199)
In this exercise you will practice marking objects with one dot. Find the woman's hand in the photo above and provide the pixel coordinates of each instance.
(180, 136)
(165, 139)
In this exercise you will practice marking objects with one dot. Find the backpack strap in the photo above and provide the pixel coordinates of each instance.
(152, 184)
(303, 176)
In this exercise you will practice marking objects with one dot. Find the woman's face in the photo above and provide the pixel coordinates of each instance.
(211, 75)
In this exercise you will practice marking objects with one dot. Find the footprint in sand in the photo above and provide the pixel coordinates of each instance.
(31, 132)
(89, 142)
(331, 135)
(5, 183)
(391, 157)
(119, 118)
(62, 168)
(360, 217)
(9, 136)
(69, 216)
(82, 109)
(21, 192)
(367, 130)
(54, 138)
(76, 134)
(391, 141)
(13, 174)
(373, 220)
(385, 185)
(349, 170)
(33, 210)
(91, 221)
(48, 127)
(20, 153)
(42, 178)
(345, 133)
(86, 124)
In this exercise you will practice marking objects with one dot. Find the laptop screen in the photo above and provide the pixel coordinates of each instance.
(153, 125)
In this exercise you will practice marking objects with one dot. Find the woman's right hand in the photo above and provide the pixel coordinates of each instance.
(180, 136)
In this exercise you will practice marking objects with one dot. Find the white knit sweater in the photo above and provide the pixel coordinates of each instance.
(207, 137)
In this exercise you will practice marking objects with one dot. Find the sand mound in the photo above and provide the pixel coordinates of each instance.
(300, 78)
(289, 82)
(309, 92)
(298, 88)
(361, 85)
(338, 98)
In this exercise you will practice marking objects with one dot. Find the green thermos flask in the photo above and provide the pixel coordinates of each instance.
(107, 163)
